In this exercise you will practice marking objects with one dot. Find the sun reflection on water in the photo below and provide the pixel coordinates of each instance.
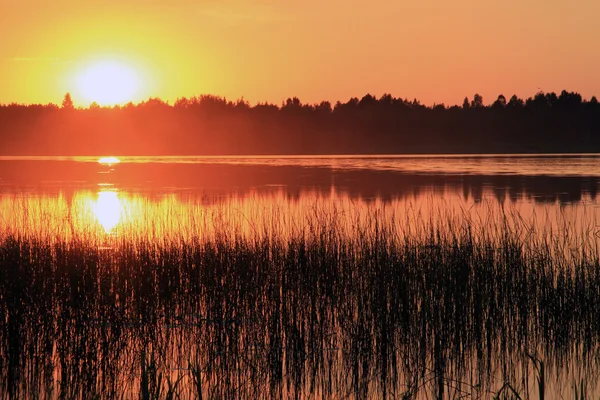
(108, 160)
(134, 216)
(108, 209)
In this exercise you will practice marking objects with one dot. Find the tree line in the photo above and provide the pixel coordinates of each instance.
(213, 125)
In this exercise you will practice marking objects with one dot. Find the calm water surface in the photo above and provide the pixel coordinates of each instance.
(183, 203)
(548, 190)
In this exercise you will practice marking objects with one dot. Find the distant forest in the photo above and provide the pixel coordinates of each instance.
(211, 125)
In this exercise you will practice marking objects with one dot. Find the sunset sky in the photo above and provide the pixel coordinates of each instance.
(434, 50)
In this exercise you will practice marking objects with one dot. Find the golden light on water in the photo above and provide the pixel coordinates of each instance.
(108, 160)
(96, 214)
(108, 209)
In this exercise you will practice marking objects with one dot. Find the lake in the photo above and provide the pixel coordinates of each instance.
(296, 276)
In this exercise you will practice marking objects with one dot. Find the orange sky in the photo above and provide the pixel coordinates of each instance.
(436, 51)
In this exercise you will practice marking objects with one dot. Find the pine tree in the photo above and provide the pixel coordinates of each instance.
(67, 103)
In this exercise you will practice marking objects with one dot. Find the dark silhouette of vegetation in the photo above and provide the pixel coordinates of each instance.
(67, 103)
(207, 124)
(384, 311)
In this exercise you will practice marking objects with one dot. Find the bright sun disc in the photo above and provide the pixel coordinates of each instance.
(108, 83)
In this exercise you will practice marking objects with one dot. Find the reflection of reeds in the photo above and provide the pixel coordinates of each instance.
(445, 307)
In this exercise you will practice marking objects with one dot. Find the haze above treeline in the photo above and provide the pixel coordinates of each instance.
(212, 125)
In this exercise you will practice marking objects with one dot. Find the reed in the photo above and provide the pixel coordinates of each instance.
(339, 306)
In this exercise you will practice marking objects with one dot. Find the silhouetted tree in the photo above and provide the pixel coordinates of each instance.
(515, 102)
(477, 101)
(293, 103)
(242, 104)
(539, 101)
(551, 99)
(386, 99)
(466, 103)
(569, 100)
(210, 124)
(500, 102)
(181, 102)
(67, 102)
(324, 106)
(367, 101)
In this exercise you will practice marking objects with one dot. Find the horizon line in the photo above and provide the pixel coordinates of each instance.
(241, 99)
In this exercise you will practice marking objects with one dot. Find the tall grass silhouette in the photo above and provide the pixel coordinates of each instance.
(334, 305)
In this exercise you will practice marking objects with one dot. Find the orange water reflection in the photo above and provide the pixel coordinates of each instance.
(108, 209)
(108, 160)
(178, 216)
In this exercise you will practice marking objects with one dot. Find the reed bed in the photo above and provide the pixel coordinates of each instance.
(332, 305)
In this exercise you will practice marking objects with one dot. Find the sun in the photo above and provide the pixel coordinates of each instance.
(108, 83)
